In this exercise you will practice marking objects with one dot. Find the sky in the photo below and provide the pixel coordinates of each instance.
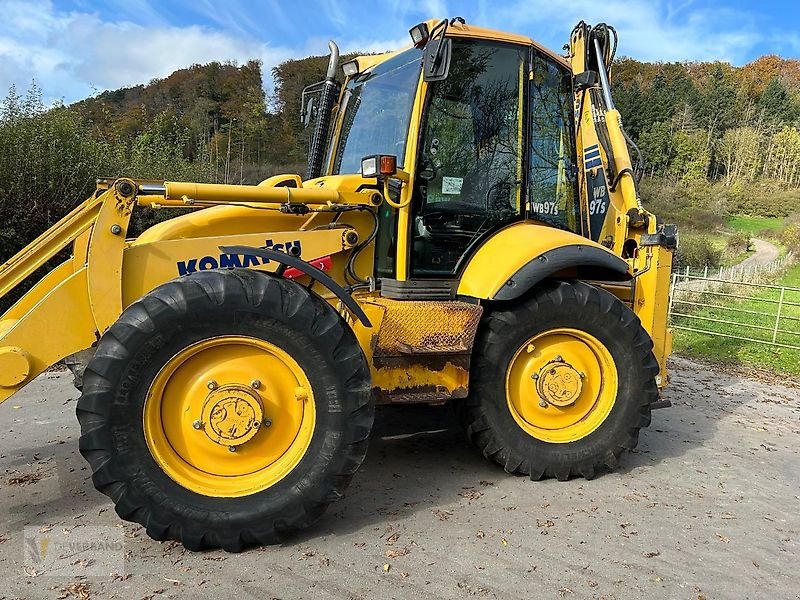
(77, 48)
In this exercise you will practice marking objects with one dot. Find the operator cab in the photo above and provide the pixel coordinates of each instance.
(494, 146)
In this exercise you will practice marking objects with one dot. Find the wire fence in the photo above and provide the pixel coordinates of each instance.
(737, 303)
(753, 273)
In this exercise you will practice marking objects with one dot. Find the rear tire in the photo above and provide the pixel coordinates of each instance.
(133, 445)
(535, 432)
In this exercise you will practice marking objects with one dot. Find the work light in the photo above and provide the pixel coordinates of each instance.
(350, 68)
(419, 34)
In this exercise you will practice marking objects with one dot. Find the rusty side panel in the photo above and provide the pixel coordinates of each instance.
(427, 327)
(423, 348)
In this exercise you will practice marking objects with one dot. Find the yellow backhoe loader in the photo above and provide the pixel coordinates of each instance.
(469, 231)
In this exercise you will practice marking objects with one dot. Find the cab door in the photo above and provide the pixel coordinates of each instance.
(470, 175)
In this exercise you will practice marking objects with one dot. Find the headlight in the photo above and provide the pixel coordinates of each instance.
(369, 166)
(379, 165)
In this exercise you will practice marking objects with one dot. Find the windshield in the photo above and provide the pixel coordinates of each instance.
(376, 109)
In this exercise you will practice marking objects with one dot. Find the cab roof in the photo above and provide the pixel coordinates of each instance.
(465, 30)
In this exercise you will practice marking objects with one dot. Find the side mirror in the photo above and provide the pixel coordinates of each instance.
(436, 61)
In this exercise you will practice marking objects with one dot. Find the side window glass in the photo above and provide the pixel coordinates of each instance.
(470, 156)
(552, 180)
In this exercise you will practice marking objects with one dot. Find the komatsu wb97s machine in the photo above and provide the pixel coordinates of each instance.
(469, 232)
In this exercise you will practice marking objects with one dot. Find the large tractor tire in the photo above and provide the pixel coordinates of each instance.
(561, 383)
(225, 409)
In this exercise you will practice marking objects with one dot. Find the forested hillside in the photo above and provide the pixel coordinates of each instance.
(717, 139)
(710, 121)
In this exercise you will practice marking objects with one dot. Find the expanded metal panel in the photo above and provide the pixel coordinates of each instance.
(427, 327)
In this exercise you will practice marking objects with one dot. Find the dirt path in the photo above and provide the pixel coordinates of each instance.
(708, 506)
(764, 254)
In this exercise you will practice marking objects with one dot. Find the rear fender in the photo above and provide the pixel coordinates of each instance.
(516, 258)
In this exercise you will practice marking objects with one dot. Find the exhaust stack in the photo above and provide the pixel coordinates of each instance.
(327, 98)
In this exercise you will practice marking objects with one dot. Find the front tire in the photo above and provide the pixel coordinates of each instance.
(561, 383)
(225, 409)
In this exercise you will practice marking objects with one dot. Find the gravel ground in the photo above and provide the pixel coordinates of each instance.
(708, 506)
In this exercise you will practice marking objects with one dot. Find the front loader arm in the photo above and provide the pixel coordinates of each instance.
(65, 311)
(70, 307)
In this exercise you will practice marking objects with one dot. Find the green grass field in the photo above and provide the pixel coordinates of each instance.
(760, 312)
(753, 225)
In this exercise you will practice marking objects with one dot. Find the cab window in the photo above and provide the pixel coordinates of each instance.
(552, 177)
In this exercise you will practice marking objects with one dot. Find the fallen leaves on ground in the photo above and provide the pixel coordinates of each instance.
(470, 494)
(395, 553)
(78, 590)
(25, 479)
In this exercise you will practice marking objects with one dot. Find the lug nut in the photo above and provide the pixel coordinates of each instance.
(267, 422)
(558, 358)
(232, 448)
(581, 374)
(543, 403)
(255, 384)
(116, 229)
(535, 376)
(198, 424)
(212, 385)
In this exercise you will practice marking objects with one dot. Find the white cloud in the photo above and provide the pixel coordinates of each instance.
(652, 30)
(73, 53)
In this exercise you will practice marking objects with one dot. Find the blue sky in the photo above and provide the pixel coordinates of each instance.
(74, 48)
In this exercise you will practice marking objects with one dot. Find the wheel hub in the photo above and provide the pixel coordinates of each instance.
(232, 415)
(559, 383)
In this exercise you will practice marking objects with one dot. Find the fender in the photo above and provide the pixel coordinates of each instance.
(318, 275)
(590, 262)
(519, 256)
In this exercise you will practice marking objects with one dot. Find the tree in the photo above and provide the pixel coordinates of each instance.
(782, 162)
(739, 151)
(719, 106)
(655, 143)
(691, 157)
(775, 103)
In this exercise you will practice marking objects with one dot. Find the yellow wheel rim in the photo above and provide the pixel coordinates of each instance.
(229, 416)
(561, 385)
